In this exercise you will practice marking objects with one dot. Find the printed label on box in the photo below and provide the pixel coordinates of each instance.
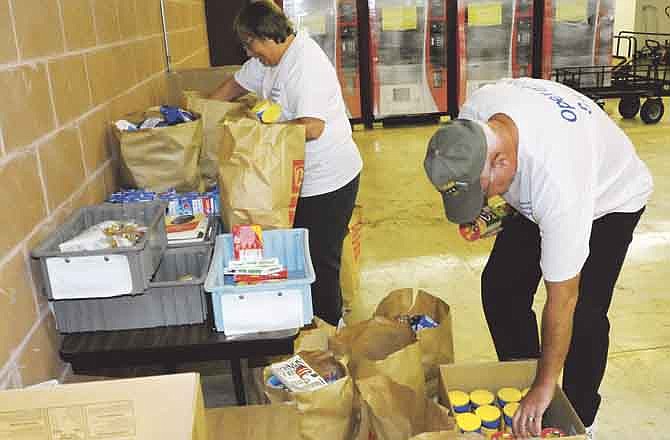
(111, 420)
(28, 424)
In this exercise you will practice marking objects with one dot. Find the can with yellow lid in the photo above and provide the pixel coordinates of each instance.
(460, 401)
(508, 395)
(468, 422)
(481, 397)
(490, 417)
(508, 413)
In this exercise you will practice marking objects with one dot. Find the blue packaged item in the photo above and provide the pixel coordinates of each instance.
(185, 207)
(173, 206)
(176, 115)
(274, 382)
(420, 322)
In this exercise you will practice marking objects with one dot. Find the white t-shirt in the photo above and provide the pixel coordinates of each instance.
(575, 165)
(305, 84)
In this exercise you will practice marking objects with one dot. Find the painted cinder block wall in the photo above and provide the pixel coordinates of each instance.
(67, 69)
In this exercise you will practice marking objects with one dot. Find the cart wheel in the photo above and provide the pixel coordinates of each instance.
(652, 110)
(629, 106)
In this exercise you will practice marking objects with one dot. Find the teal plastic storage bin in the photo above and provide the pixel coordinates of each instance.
(291, 246)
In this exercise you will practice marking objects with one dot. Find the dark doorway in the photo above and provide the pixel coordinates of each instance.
(224, 47)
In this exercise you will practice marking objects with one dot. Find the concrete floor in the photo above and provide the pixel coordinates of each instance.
(408, 243)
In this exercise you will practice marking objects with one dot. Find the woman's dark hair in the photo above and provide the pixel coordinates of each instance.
(265, 20)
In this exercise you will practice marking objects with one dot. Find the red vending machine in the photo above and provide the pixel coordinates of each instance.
(408, 57)
(577, 33)
(494, 41)
(333, 24)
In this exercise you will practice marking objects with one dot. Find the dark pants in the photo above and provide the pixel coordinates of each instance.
(509, 282)
(327, 216)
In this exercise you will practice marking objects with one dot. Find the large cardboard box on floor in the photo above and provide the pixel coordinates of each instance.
(204, 80)
(519, 374)
(160, 407)
(257, 422)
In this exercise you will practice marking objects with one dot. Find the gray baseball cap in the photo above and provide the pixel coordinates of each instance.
(454, 162)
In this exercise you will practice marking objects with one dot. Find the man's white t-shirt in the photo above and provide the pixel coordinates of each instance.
(575, 165)
(305, 84)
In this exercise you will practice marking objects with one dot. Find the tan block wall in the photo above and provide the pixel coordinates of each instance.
(187, 34)
(67, 69)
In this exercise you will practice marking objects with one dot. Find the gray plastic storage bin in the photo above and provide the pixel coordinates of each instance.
(167, 301)
(108, 272)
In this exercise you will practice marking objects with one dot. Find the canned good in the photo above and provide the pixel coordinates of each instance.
(490, 417)
(481, 397)
(508, 413)
(508, 395)
(460, 401)
(468, 422)
(502, 436)
(552, 433)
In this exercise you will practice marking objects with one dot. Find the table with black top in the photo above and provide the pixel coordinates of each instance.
(168, 346)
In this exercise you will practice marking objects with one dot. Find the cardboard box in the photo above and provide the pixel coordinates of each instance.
(159, 407)
(204, 80)
(260, 422)
(520, 374)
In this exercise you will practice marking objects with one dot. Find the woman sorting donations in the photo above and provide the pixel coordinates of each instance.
(291, 70)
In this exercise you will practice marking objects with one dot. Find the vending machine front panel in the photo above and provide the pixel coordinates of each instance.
(577, 33)
(408, 54)
(495, 39)
(333, 25)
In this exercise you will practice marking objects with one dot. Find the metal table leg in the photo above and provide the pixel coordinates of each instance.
(238, 381)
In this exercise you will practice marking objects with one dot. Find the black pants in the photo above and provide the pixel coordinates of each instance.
(327, 216)
(509, 282)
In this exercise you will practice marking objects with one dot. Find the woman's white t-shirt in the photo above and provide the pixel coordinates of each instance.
(575, 165)
(305, 84)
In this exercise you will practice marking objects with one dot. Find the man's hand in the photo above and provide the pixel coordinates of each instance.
(527, 420)
(557, 319)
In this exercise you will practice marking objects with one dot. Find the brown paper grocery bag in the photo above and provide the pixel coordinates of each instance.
(314, 338)
(212, 112)
(261, 168)
(437, 344)
(322, 414)
(350, 269)
(381, 346)
(161, 158)
(398, 412)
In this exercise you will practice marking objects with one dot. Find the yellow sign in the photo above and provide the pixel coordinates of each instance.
(314, 24)
(485, 14)
(399, 18)
(571, 10)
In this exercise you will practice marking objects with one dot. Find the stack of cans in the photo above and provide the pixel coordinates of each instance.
(190, 203)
